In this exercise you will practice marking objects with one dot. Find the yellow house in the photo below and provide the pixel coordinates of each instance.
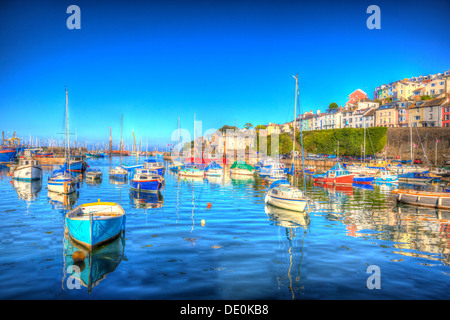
(273, 128)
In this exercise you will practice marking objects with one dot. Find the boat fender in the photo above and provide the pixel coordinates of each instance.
(209, 205)
(78, 256)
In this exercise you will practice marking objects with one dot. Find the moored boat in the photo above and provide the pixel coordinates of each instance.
(423, 177)
(213, 169)
(93, 173)
(242, 168)
(440, 200)
(28, 169)
(276, 174)
(363, 179)
(191, 171)
(118, 173)
(146, 180)
(336, 175)
(92, 224)
(61, 181)
(282, 195)
(152, 164)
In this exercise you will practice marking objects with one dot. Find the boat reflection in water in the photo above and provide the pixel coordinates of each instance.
(61, 200)
(146, 200)
(293, 230)
(287, 218)
(117, 181)
(27, 190)
(91, 266)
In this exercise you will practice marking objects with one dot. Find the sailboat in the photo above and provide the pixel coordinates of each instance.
(61, 181)
(119, 172)
(281, 193)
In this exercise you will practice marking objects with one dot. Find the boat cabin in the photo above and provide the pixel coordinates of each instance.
(28, 162)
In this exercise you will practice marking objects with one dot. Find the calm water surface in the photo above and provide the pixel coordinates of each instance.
(176, 246)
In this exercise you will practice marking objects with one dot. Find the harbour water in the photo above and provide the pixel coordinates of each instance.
(216, 239)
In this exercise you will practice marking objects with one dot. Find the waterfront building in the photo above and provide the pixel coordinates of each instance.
(386, 115)
(416, 114)
(432, 112)
(403, 113)
(446, 113)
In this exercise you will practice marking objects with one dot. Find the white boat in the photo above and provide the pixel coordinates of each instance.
(193, 171)
(28, 170)
(118, 172)
(276, 174)
(282, 195)
(93, 174)
(62, 181)
(443, 172)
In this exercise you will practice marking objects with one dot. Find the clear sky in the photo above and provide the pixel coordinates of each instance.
(225, 61)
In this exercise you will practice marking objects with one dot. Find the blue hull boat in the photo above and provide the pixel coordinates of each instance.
(7, 155)
(92, 224)
(363, 179)
(146, 180)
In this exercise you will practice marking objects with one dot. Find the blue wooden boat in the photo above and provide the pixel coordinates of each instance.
(61, 181)
(383, 176)
(363, 179)
(77, 165)
(447, 189)
(176, 166)
(92, 224)
(146, 180)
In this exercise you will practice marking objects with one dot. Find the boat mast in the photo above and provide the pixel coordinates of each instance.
(137, 162)
(295, 120)
(67, 149)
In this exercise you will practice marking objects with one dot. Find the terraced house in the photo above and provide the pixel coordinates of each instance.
(432, 112)
(386, 115)
(446, 113)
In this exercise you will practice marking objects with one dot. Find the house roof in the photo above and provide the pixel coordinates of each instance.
(434, 102)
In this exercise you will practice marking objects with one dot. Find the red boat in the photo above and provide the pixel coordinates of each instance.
(337, 175)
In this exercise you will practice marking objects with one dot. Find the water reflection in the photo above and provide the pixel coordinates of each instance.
(95, 266)
(27, 190)
(295, 225)
(62, 201)
(146, 200)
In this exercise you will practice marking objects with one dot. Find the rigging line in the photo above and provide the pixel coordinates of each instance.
(424, 153)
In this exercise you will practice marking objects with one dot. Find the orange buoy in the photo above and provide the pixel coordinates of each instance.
(78, 256)
(209, 205)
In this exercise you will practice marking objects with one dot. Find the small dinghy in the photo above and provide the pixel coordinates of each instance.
(118, 173)
(91, 224)
(146, 180)
(282, 195)
(93, 174)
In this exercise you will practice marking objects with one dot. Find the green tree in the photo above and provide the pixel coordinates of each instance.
(248, 125)
(333, 105)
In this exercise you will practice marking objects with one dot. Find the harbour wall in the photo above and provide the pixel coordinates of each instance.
(399, 144)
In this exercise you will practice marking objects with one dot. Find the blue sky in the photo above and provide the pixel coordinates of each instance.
(225, 61)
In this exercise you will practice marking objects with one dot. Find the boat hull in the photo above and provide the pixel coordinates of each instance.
(7, 155)
(65, 186)
(241, 172)
(288, 204)
(95, 231)
(214, 172)
(363, 180)
(344, 179)
(439, 200)
(145, 185)
(28, 173)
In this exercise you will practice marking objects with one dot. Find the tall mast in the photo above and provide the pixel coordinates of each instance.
(67, 149)
(295, 120)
